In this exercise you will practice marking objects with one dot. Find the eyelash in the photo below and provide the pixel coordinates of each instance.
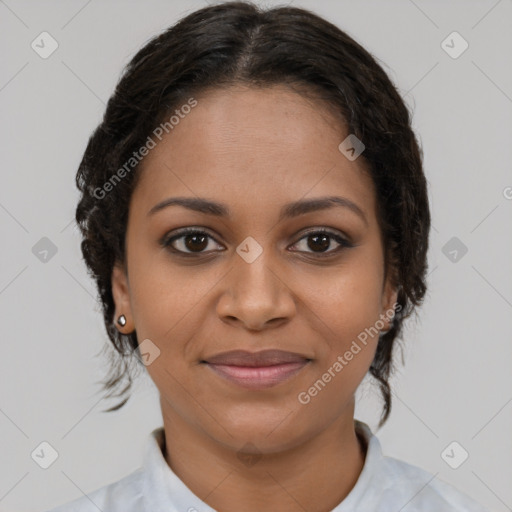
(167, 241)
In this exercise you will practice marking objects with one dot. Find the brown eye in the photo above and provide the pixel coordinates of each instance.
(191, 241)
(188, 241)
(319, 242)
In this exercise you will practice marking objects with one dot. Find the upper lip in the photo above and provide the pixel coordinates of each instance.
(255, 359)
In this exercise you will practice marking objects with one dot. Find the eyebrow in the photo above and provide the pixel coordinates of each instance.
(288, 211)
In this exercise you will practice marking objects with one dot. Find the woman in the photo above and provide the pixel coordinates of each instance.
(255, 213)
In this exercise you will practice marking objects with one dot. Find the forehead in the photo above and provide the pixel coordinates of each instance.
(271, 144)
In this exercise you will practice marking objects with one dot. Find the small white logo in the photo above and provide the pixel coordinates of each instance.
(148, 352)
(454, 45)
(454, 455)
(351, 147)
(44, 455)
(44, 45)
(249, 249)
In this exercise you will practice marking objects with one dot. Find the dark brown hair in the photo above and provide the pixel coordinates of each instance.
(240, 43)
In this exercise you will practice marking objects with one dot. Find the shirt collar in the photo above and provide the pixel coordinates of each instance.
(373, 459)
(163, 491)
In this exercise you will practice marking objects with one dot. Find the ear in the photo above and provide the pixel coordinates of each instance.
(121, 294)
(389, 299)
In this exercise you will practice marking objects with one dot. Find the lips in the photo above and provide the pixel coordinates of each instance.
(263, 358)
(257, 370)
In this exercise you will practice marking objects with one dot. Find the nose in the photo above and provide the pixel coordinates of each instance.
(256, 295)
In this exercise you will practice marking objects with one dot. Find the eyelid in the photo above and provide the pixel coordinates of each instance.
(328, 231)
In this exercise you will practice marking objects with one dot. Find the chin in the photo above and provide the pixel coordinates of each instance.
(263, 434)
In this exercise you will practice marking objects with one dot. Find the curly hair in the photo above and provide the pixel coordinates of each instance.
(240, 43)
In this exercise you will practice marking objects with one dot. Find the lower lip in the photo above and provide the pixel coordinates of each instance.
(261, 377)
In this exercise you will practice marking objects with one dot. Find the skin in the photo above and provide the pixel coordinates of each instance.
(255, 150)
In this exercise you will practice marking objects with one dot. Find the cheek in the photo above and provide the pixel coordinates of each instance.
(347, 300)
(349, 307)
(348, 303)
(161, 294)
(172, 307)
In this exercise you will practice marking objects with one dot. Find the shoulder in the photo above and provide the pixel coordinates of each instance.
(125, 495)
(386, 483)
(418, 490)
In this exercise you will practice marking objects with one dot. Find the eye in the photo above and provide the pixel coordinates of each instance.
(188, 241)
(320, 240)
(196, 241)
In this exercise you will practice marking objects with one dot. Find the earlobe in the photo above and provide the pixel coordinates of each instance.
(123, 319)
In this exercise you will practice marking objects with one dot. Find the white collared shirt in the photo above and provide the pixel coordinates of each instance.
(384, 485)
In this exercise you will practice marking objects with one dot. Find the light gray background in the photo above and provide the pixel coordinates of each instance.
(457, 382)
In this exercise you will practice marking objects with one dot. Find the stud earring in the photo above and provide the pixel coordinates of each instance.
(121, 320)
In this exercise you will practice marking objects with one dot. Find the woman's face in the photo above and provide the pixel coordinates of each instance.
(258, 275)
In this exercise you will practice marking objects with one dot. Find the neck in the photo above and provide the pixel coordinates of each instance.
(314, 475)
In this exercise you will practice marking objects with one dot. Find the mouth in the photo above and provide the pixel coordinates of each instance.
(257, 370)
